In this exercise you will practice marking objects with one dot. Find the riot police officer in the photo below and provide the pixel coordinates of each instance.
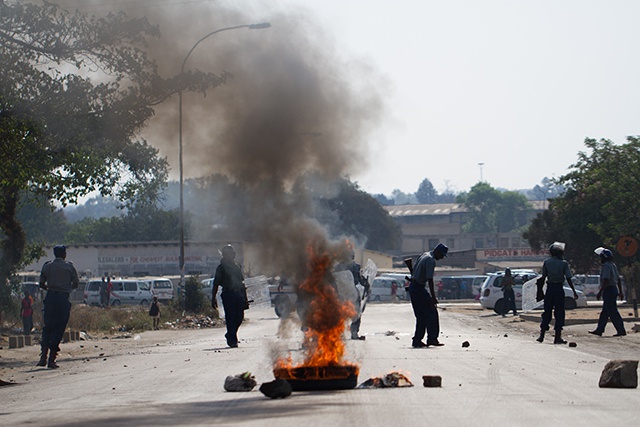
(555, 270)
(234, 294)
(610, 288)
(424, 300)
(58, 278)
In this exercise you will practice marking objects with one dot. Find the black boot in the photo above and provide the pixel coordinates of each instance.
(44, 351)
(558, 339)
(541, 337)
(52, 360)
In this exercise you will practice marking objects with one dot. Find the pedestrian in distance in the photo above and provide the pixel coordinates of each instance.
(394, 291)
(104, 293)
(424, 300)
(27, 313)
(508, 294)
(109, 290)
(555, 270)
(154, 312)
(58, 277)
(229, 277)
(610, 288)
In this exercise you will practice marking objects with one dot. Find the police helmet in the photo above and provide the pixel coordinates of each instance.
(556, 248)
(228, 249)
(606, 254)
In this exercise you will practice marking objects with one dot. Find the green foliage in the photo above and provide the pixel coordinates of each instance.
(492, 210)
(75, 91)
(140, 224)
(363, 217)
(600, 204)
(195, 301)
(426, 192)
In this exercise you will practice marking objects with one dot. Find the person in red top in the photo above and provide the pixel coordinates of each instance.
(27, 313)
(109, 289)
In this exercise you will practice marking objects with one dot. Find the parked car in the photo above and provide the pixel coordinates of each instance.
(492, 295)
(381, 287)
(124, 291)
(160, 287)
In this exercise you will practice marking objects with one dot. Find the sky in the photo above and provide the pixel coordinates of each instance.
(515, 85)
(496, 90)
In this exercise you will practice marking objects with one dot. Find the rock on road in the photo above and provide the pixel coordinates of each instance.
(171, 377)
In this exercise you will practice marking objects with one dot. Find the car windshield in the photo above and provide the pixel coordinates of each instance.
(143, 286)
(162, 284)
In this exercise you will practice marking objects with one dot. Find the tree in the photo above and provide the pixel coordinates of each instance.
(493, 211)
(75, 91)
(401, 198)
(362, 216)
(426, 193)
(600, 203)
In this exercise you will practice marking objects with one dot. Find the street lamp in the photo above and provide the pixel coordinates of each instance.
(258, 26)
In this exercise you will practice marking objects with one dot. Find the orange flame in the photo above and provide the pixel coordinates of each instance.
(325, 320)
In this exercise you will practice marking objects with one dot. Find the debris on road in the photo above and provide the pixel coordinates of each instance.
(573, 344)
(196, 321)
(392, 379)
(276, 389)
(432, 380)
(241, 382)
(465, 344)
(619, 374)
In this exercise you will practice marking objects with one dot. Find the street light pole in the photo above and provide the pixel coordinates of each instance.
(258, 26)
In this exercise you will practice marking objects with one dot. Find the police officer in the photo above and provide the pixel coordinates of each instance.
(58, 278)
(555, 270)
(355, 270)
(610, 288)
(424, 301)
(508, 294)
(234, 294)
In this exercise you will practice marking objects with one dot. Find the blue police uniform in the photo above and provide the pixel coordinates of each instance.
(427, 319)
(556, 270)
(609, 296)
(59, 278)
(234, 297)
(508, 296)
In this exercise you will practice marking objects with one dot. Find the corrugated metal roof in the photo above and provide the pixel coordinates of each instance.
(445, 208)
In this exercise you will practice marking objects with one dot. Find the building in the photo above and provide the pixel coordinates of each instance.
(424, 226)
(134, 259)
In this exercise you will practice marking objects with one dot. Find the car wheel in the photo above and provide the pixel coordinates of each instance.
(115, 303)
(144, 302)
(498, 307)
(569, 303)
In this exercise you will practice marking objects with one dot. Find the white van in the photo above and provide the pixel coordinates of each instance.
(124, 291)
(160, 287)
(381, 288)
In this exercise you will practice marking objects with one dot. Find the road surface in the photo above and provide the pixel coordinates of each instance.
(167, 378)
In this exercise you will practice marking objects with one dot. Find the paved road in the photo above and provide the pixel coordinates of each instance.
(176, 378)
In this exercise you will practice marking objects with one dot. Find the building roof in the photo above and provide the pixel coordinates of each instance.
(445, 208)
(419, 210)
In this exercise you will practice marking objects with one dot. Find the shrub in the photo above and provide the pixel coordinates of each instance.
(195, 301)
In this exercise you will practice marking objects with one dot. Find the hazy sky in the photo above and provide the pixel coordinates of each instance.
(516, 85)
